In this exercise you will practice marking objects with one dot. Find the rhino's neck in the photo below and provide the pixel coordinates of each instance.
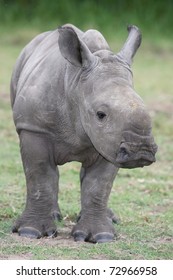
(72, 103)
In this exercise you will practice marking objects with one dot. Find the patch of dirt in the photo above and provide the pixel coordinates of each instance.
(63, 239)
(164, 240)
(26, 256)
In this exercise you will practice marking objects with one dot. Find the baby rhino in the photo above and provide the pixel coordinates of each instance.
(73, 100)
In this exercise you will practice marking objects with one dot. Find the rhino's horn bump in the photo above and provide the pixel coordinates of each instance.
(132, 44)
(137, 33)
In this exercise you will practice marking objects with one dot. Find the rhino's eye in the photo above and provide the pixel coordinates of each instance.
(101, 115)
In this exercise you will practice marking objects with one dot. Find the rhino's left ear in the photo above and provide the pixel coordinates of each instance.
(131, 45)
(73, 49)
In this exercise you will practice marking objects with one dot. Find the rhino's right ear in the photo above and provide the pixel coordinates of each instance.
(73, 49)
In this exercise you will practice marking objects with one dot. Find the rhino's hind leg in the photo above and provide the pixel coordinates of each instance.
(95, 225)
(41, 174)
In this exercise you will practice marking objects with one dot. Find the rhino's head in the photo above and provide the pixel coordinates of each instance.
(113, 115)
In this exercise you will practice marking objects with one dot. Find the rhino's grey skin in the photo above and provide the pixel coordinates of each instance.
(73, 100)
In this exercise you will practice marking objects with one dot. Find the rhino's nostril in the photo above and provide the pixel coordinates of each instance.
(124, 153)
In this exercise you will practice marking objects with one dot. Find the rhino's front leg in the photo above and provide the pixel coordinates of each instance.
(41, 174)
(94, 224)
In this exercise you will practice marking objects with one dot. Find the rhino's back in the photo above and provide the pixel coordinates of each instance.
(42, 57)
(30, 60)
(36, 80)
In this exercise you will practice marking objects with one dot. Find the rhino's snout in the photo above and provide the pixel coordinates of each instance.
(134, 155)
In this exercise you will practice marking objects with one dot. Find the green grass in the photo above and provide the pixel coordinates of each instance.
(142, 198)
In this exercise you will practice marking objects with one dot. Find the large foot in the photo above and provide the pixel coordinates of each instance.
(34, 226)
(93, 230)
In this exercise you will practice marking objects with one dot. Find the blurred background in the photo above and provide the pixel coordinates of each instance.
(142, 198)
(21, 20)
(109, 15)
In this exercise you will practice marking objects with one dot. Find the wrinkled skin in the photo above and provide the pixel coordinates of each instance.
(73, 100)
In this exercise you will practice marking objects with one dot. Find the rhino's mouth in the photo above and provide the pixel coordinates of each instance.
(140, 159)
(137, 153)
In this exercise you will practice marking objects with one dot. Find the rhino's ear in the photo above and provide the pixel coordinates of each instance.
(73, 49)
(131, 45)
